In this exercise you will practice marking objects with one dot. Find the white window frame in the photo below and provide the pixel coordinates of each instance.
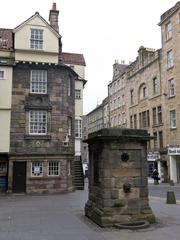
(168, 30)
(77, 93)
(173, 118)
(38, 81)
(53, 169)
(2, 74)
(36, 41)
(69, 126)
(170, 61)
(171, 87)
(37, 122)
(36, 169)
(78, 128)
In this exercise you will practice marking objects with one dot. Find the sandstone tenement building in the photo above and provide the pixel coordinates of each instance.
(146, 93)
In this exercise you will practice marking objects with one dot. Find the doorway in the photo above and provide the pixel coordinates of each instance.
(178, 170)
(19, 177)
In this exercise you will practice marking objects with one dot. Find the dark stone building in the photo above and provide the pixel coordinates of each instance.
(44, 159)
(42, 145)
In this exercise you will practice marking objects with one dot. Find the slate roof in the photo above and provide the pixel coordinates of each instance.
(6, 38)
(73, 58)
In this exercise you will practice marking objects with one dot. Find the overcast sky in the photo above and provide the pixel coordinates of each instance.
(102, 30)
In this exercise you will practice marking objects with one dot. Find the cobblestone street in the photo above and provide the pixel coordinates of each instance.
(61, 217)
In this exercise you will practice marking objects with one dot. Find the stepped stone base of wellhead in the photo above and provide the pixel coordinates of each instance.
(112, 217)
(133, 226)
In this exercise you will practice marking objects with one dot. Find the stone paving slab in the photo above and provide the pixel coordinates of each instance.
(61, 217)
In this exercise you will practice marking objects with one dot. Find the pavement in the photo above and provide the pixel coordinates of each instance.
(61, 217)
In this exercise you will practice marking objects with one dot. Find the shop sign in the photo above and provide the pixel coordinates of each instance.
(153, 156)
(174, 151)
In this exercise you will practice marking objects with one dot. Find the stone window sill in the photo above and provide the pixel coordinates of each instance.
(37, 137)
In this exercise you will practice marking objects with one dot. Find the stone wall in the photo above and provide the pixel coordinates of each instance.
(60, 106)
(118, 162)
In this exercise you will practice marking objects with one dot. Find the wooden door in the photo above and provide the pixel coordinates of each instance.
(19, 177)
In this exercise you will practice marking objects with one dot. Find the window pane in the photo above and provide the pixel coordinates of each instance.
(154, 85)
(77, 93)
(170, 59)
(78, 128)
(37, 169)
(38, 122)
(168, 29)
(1, 74)
(36, 41)
(171, 87)
(3, 167)
(54, 168)
(39, 81)
(154, 116)
(173, 118)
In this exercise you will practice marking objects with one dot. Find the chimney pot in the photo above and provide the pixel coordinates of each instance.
(54, 6)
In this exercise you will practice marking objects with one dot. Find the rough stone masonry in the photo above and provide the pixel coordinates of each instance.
(118, 191)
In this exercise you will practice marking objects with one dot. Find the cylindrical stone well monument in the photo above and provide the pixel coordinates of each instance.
(118, 186)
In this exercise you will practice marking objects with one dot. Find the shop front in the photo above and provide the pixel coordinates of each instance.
(174, 163)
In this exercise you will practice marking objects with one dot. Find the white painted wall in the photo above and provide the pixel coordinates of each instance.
(77, 147)
(6, 88)
(80, 70)
(50, 50)
(79, 102)
(4, 130)
(172, 168)
(5, 108)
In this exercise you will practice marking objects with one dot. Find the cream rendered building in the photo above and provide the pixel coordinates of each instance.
(5, 106)
(77, 63)
(6, 66)
(24, 32)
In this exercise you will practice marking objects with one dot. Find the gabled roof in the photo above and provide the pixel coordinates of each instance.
(73, 58)
(6, 39)
(33, 17)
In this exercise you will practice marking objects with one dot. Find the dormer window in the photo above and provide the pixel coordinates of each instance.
(36, 41)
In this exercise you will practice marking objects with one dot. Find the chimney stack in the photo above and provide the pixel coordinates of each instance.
(53, 17)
